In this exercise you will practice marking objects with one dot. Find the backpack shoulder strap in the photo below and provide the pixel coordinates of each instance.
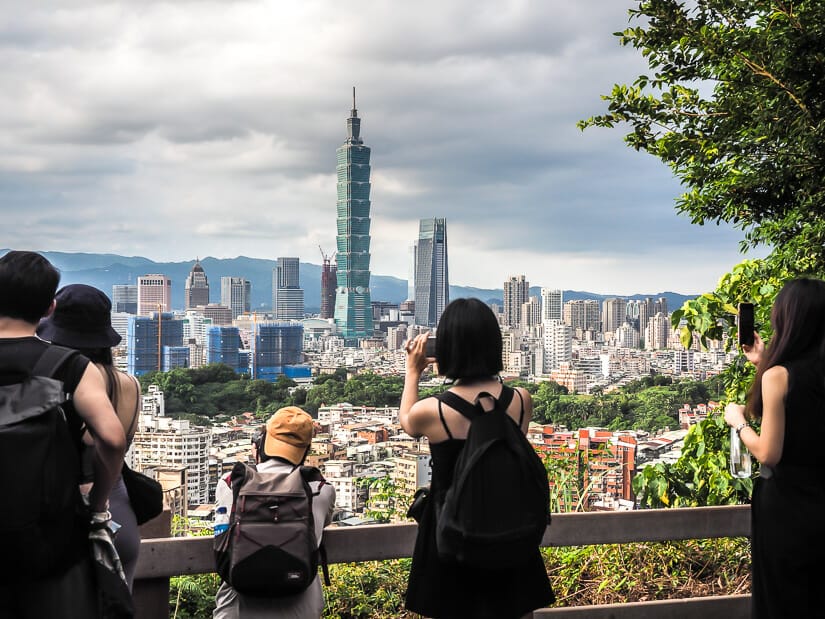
(502, 402)
(521, 410)
(52, 360)
(467, 409)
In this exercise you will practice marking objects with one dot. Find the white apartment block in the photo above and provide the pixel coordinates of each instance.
(163, 441)
(411, 471)
(557, 344)
(627, 336)
(531, 313)
(551, 304)
(614, 312)
(657, 332)
(195, 325)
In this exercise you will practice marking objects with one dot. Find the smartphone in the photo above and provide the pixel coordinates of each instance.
(429, 348)
(744, 324)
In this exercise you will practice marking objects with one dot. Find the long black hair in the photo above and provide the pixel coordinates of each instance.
(103, 358)
(798, 320)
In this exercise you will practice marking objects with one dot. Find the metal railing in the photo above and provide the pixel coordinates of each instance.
(165, 557)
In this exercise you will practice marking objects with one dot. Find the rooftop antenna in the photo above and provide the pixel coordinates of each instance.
(354, 109)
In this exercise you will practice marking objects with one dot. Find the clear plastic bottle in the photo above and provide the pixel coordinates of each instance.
(740, 457)
(221, 520)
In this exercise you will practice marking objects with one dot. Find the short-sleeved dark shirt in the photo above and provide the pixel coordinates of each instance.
(18, 356)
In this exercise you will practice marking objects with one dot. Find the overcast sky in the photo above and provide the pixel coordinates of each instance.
(182, 129)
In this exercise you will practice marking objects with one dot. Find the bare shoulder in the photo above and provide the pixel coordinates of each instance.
(776, 375)
(421, 416)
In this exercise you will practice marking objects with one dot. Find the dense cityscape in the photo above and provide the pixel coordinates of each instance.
(580, 346)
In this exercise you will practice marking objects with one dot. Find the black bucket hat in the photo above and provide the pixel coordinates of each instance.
(82, 319)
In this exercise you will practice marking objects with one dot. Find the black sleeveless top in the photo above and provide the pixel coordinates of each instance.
(451, 591)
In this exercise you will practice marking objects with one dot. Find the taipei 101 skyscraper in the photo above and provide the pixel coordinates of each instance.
(353, 309)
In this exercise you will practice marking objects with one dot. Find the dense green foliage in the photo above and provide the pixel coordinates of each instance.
(701, 475)
(650, 404)
(734, 105)
(580, 576)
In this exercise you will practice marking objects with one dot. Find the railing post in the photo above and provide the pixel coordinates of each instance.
(151, 595)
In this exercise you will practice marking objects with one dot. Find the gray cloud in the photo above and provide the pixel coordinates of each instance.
(196, 128)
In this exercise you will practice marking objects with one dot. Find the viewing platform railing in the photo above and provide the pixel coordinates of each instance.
(161, 558)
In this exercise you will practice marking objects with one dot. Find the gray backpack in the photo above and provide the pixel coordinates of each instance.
(270, 549)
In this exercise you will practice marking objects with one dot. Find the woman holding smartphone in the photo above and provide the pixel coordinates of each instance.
(788, 503)
(468, 349)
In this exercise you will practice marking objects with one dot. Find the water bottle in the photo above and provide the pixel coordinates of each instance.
(740, 459)
(221, 520)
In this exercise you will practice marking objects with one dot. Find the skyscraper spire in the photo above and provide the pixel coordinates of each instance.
(354, 124)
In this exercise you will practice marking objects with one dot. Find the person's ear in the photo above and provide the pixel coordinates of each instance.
(51, 309)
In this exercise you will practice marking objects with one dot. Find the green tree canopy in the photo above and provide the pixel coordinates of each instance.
(734, 104)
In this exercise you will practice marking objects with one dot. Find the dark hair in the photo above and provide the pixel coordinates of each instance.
(258, 438)
(28, 283)
(103, 357)
(798, 320)
(468, 343)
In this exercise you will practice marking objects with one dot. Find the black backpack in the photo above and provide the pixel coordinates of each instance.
(270, 549)
(39, 457)
(497, 509)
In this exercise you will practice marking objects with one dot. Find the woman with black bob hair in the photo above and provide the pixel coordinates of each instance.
(468, 342)
(788, 502)
(468, 352)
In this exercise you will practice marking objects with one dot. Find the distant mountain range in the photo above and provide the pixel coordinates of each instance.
(106, 270)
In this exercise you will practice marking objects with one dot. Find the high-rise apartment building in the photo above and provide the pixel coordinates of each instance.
(125, 298)
(583, 314)
(551, 304)
(154, 294)
(627, 336)
(637, 315)
(223, 345)
(516, 293)
(328, 275)
(149, 343)
(196, 287)
(660, 306)
(657, 332)
(164, 442)
(432, 284)
(557, 342)
(287, 295)
(353, 307)
(614, 313)
(411, 274)
(531, 313)
(275, 345)
(236, 294)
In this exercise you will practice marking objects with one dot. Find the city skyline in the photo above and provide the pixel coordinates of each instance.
(144, 132)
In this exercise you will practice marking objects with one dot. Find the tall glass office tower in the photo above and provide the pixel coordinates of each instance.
(432, 282)
(353, 309)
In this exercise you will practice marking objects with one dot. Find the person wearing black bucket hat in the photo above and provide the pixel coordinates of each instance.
(60, 583)
(82, 320)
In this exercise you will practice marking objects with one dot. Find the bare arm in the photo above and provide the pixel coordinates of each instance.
(414, 419)
(768, 444)
(528, 409)
(93, 406)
